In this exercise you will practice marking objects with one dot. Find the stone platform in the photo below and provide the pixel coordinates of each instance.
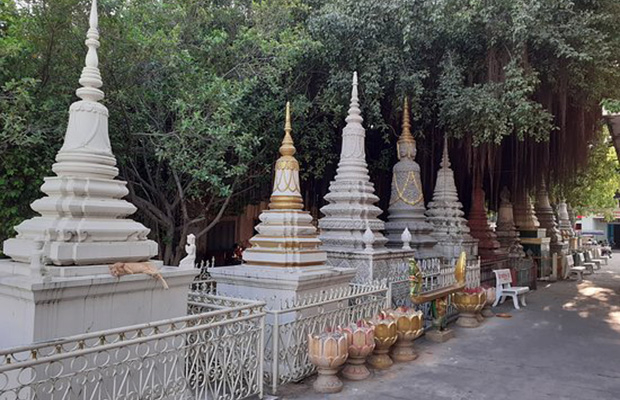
(564, 345)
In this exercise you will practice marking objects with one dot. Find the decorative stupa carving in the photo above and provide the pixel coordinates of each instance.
(524, 215)
(407, 208)
(83, 217)
(565, 226)
(545, 214)
(445, 213)
(351, 198)
(506, 232)
(488, 246)
(286, 236)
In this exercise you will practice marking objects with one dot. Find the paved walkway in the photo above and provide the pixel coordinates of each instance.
(564, 345)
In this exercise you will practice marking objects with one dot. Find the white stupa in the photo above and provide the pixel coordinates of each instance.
(351, 197)
(445, 213)
(83, 217)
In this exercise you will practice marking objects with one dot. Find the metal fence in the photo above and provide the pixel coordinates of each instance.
(286, 347)
(215, 352)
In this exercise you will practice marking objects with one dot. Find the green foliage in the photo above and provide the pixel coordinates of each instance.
(592, 191)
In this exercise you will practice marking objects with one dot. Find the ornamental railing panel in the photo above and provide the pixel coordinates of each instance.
(287, 329)
(215, 352)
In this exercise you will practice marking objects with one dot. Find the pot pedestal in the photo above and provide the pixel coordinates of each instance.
(438, 336)
(487, 312)
(327, 381)
(380, 359)
(467, 320)
(355, 369)
(403, 351)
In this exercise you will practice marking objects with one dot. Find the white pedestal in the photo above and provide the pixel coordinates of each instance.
(276, 285)
(75, 300)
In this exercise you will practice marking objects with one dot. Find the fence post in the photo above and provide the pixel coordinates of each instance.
(388, 297)
(261, 357)
(275, 359)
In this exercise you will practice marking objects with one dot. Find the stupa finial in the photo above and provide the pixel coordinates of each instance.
(286, 190)
(406, 143)
(445, 159)
(91, 77)
(355, 114)
(287, 148)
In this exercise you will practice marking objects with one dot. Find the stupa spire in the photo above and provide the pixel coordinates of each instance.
(91, 76)
(406, 146)
(286, 193)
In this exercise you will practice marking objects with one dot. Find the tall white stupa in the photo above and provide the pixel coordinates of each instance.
(58, 282)
(83, 217)
(350, 229)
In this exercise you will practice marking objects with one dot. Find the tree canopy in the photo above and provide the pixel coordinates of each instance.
(196, 91)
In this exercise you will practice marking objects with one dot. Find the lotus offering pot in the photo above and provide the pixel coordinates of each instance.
(486, 310)
(409, 326)
(386, 334)
(469, 302)
(328, 351)
(361, 342)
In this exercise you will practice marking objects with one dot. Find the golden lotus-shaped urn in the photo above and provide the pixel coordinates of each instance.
(328, 351)
(360, 342)
(386, 334)
(469, 303)
(409, 326)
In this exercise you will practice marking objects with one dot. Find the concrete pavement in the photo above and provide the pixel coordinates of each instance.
(564, 345)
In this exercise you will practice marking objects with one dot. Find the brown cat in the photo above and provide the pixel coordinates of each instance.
(147, 268)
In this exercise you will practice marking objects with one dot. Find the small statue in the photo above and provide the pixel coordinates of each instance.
(415, 277)
(190, 248)
(147, 268)
(504, 195)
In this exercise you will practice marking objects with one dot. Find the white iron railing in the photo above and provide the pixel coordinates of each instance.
(286, 348)
(214, 353)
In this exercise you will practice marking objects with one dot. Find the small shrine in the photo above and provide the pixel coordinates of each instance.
(533, 238)
(445, 213)
(350, 229)
(489, 248)
(407, 210)
(506, 231)
(284, 261)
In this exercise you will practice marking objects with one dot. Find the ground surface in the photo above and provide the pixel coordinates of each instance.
(564, 345)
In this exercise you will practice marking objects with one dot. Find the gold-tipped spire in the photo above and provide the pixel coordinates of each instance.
(286, 191)
(288, 147)
(406, 143)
